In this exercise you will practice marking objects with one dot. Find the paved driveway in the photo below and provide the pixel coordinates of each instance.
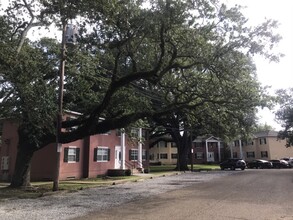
(245, 195)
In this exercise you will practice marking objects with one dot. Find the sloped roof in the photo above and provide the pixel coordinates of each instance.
(200, 139)
(266, 134)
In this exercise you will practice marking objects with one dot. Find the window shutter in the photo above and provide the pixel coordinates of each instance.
(77, 154)
(130, 155)
(109, 151)
(65, 154)
(96, 154)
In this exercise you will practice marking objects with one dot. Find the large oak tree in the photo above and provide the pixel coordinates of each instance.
(126, 50)
(223, 105)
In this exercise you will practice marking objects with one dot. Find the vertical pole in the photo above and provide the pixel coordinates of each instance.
(60, 107)
(207, 151)
(240, 148)
(219, 151)
(192, 152)
(122, 150)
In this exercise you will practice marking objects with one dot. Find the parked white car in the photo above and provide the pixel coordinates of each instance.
(289, 160)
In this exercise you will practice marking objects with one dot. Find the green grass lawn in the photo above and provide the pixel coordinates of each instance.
(166, 168)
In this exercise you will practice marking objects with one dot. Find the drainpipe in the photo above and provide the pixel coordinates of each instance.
(122, 150)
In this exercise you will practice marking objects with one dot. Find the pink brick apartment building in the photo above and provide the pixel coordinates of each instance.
(85, 158)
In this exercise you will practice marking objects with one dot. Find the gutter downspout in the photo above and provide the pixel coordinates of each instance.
(122, 150)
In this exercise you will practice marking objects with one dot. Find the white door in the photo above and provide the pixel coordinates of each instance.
(117, 157)
(211, 157)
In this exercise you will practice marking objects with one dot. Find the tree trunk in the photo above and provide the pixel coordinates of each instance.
(21, 175)
(182, 163)
(183, 150)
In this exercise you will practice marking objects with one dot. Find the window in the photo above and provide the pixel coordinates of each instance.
(198, 144)
(212, 144)
(250, 154)
(152, 157)
(162, 144)
(236, 143)
(133, 154)
(222, 145)
(71, 154)
(235, 155)
(144, 134)
(250, 142)
(173, 144)
(163, 156)
(264, 154)
(174, 156)
(262, 141)
(134, 132)
(102, 154)
(199, 155)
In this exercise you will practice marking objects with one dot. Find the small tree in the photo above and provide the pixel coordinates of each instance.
(285, 114)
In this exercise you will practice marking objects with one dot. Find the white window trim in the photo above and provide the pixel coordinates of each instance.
(102, 147)
(71, 147)
(164, 155)
(134, 149)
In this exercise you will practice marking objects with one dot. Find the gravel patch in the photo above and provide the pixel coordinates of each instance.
(77, 204)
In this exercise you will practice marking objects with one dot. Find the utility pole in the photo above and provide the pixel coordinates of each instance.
(60, 105)
(192, 151)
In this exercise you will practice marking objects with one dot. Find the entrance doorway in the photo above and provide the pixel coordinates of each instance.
(117, 157)
(211, 157)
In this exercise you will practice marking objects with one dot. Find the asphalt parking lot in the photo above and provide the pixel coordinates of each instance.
(248, 195)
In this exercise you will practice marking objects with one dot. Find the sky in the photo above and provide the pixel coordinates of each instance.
(277, 75)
